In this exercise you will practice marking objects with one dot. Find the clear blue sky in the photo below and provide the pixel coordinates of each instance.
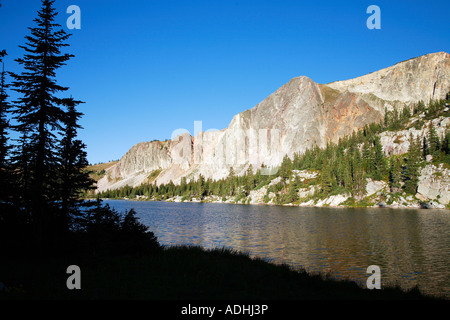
(146, 68)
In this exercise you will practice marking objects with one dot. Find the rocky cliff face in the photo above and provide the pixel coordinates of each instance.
(422, 78)
(297, 116)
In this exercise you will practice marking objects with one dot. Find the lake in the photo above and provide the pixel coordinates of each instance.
(411, 246)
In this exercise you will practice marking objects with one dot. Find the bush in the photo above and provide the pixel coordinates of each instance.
(135, 237)
(101, 230)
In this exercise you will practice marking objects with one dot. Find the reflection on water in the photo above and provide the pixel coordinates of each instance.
(412, 247)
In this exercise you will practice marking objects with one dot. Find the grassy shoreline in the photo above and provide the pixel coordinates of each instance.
(180, 273)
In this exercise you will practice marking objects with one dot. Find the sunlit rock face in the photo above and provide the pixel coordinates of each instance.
(434, 183)
(422, 78)
(297, 116)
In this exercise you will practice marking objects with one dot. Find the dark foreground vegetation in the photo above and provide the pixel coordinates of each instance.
(179, 273)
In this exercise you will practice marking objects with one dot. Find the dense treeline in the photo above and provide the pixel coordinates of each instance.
(43, 168)
(343, 166)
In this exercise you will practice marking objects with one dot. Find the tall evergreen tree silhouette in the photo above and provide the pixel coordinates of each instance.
(74, 179)
(4, 126)
(40, 114)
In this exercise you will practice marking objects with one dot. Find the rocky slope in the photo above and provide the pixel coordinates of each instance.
(422, 78)
(297, 116)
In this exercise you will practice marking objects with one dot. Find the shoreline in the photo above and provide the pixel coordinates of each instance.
(175, 200)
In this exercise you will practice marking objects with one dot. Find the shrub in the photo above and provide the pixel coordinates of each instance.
(101, 230)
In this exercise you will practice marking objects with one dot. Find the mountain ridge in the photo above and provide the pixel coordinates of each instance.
(297, 116)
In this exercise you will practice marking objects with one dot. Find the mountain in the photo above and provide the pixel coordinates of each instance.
(297, 116)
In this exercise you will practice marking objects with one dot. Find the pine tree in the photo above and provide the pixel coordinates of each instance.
(433, 141)
(293, 190)
(387, 117)
(258, 177)
(419, 107)
(358, 179)
(249, 180)
(230, 182)
(4, 109)
(340, 167)
(395, 175)
(183, 185)
(285, 168)
(425, 149)
(39, 114)
(368, 158)
(380, 160)
(73, 161)
(326, 180)
(411, 174)
(406, 114)
(201, 186)
(4, 127)
(446, 142)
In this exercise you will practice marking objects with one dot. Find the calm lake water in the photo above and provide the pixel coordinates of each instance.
(411, 247)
